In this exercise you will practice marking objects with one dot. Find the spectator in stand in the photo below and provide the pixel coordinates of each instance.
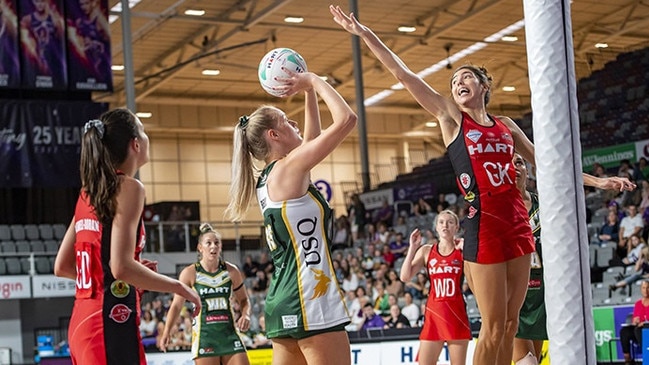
(388, 257)
(599, 171)
(373, 236)
(337, 270)
(385, 234)
(630, 225)
(428, 237)
(382, 272)
(625, 169)
(351, 301)
(370, 318)
(419, 287)
(250, 267)
(424, 207)
(639, 320)
(396, 319)
(615, 206)
(357, 217)
(641, 270)
(158, 308)
(382, 301)
(378, 260)
(398, 246)
(356, 307)
(410, 309)
(395, 286)
(148, 325)
(609, 232)
(641, 170)
(401, 226)
(265, 264)
(260, 284)
(644, 194)
(342, 234)
(634, 249)
(384, 214)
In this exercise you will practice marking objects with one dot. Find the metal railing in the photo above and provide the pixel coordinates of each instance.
(182, 236)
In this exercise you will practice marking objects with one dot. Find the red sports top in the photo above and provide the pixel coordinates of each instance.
(104, 326)
(496, 224)
(445, 317)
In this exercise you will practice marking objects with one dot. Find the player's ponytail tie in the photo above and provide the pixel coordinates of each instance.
(243, 121)
(97, 124)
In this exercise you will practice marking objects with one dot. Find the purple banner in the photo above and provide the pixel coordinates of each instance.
(9, 60)
(42, 39)
(88, 41)
(40, 142)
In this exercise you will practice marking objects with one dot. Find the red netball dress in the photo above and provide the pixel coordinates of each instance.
(445, 317)
(104, 326)
(496, 223)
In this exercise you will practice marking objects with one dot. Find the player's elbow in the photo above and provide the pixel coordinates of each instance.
(120, 270)
(350, 120)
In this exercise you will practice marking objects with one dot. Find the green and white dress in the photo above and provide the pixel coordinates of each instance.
(533, 317)
(213, 332)
(304, 298)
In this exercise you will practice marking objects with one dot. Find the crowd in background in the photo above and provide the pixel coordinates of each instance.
(369, 246)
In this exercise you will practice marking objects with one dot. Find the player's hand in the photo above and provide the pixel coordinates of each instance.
(243, 323)
(415, 240)
(153, 265)
(347, 22)
(192, 296)
(294, 83)
(618, 183)
(163, 342)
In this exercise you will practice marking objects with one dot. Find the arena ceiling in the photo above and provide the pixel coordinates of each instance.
(171, 48)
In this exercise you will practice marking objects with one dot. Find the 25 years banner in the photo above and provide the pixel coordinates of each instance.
(40, 141)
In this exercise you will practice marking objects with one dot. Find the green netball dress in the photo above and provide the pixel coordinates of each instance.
(214, 333)
(532, 318)
(304, 298)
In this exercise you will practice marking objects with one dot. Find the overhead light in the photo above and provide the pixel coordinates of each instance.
(406, 29)
(601, 45)
(509, 88)
(144, 115)
(117, 67)
(293, 19)
(195, 12)
(118, 9)
(431, 124)
(475, 47)
(208, 72)
(509, 38)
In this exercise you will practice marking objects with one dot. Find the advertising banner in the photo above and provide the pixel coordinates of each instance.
(15, 287)
(50, 286)
(42, 39)
(609, 157)
(40, 142)
(9, 51)
(88, 40)
(374, 199)
(608, 321)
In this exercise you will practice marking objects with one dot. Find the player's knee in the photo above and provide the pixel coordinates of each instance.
(528, 359)
(511, 326)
